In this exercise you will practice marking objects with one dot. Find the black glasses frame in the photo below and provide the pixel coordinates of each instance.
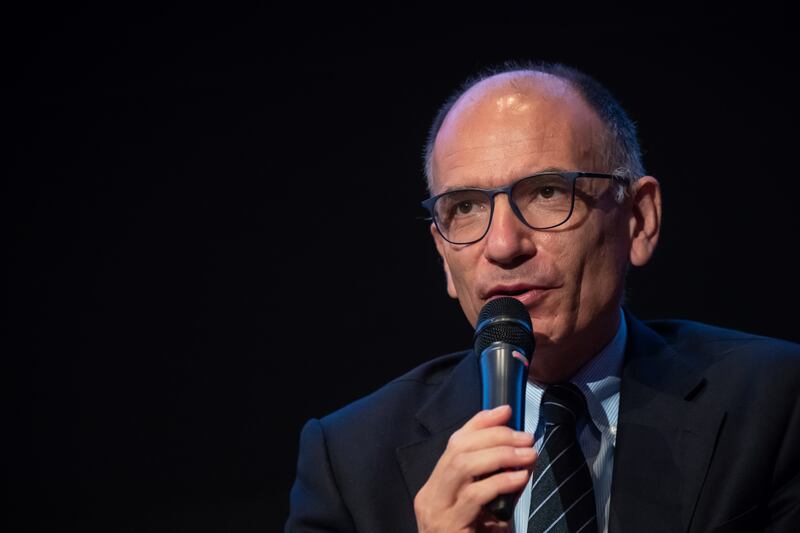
(507, 189)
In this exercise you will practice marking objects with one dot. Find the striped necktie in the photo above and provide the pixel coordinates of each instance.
(562, 495)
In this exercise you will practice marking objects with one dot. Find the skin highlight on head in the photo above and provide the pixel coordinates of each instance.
(514, 125)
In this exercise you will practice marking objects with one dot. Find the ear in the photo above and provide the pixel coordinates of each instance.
(645, 219)
(440, 247)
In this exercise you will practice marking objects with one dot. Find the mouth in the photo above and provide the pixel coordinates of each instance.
(527, 294)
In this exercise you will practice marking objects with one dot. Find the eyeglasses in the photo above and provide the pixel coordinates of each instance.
(542, 201)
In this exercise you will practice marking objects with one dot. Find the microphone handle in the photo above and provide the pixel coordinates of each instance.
(503, 374)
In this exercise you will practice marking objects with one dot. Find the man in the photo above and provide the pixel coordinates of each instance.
(678, 426)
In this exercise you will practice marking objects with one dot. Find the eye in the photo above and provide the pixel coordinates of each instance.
(464, 207)
(547, 191)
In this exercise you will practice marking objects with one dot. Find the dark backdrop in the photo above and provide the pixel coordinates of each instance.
(215, 235)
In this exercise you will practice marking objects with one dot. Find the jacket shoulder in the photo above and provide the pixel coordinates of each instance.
(705, 337)
(729, 351)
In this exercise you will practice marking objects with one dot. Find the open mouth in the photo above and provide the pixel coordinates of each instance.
(517, 292)
(527, 294)
(508, 294)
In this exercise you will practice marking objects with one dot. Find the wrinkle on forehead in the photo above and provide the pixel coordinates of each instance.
(512, 146)
(484, 155)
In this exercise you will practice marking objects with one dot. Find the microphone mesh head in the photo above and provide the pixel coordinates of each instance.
(504, 315)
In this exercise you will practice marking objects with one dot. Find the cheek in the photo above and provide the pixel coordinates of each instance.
(457, 268)
(463, 271)
(591, 266)
(604, 263)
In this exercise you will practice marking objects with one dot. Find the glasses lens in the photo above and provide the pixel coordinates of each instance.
(463, 216)
(544, 200)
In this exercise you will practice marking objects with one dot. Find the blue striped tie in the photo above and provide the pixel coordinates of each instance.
(562, 495)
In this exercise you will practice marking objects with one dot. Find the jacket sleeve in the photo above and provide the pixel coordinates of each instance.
(315, 504)
(784, 504)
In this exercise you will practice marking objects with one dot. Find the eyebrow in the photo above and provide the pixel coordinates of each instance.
(542, 171)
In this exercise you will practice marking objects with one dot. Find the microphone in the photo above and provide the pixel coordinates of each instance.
(504, 344)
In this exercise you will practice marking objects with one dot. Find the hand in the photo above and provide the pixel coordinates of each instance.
(452, 498)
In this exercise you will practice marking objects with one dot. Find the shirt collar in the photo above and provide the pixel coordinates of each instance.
(600, 378)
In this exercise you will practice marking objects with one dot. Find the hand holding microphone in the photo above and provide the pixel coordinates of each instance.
(486, 463)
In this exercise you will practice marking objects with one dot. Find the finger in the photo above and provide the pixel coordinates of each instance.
(468, 466)
(489, 417)
(448, 476)
(488, 428)
(465, 440)
(475, 495)
(465, 468)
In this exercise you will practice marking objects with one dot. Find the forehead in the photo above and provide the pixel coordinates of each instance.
(515, 124)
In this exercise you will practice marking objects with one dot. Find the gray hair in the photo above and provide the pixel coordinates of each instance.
(621, 153)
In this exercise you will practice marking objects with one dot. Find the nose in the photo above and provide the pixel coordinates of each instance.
(509, 241)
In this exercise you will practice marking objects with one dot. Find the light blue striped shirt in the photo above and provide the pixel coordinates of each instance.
(599, 379)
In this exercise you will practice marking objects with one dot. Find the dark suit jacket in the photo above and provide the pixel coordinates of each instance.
(708, 438)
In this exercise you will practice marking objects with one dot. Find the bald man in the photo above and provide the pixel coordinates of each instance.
(538, 193)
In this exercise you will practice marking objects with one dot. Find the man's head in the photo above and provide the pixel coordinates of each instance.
(522, 122)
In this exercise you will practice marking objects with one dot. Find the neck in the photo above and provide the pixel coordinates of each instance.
(557, 363)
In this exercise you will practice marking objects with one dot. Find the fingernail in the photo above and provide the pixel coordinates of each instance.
(500, 408)
(525, 452)
(518, 475)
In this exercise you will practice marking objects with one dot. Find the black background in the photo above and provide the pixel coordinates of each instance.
(215, 234)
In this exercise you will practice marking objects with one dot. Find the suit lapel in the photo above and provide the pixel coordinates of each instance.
(664, 440)
(455, 402)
